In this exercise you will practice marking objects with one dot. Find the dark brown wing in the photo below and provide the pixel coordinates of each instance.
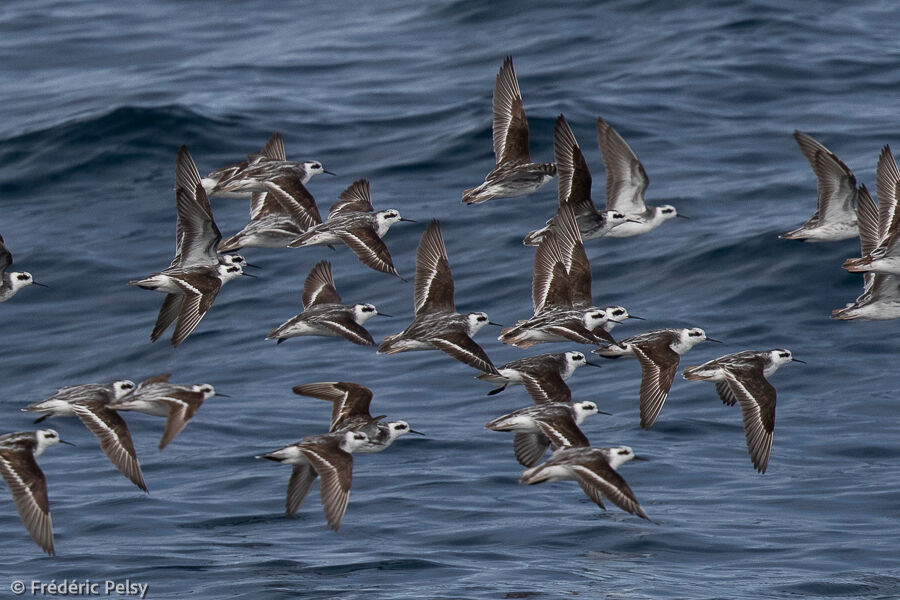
(5, 257)
(597, 474)
(168, 312)
(887, 178)
(434, 282)
(529, 447)
(355, 198)
(349, 399)
(834, 180)
(757, 399)
(319, 286)
(196, 233)
(658, 366)
(369, 248)
(563, 432)
(196, 300)
(115, 439)
(509, 123)
(295, 201)
(626, 179)
(574, 175)
(546, 387)
(349, 329)
(336, 470)
(550, 283)
(183, 404)
(274, 148)
(464, 349)
(725, 393)
(573, 257)
(302, 478)
(26, 481)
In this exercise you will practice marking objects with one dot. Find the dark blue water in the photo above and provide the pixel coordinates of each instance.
(95, 102)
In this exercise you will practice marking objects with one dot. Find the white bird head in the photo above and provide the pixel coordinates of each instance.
(353, 440)
(574, 360)
(398, 428)
(690, 337)
(594, 318)
(122, 388)
(614, 217)
(666, 212)
(20, 279)
(385, 218)
(312, 168)
(583, 410)
(778, 357)
(363, 312)
(45, 439)
(229, 272)
(475, 321)
(619, 455)
(206, 389)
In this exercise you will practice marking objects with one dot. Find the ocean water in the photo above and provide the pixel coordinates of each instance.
(96, 99)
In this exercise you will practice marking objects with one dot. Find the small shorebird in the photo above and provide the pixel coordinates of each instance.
(658, 353)
(560, 292)
(544, 376)
(328, 455)
(595, 471)
(835, 216)
(352, 220)
(197, 272)
(90, 403)
(13, 281)
(277, 217)
(437, 325)
(881, 293)
(350, 412)
(268, 165)
(537, 427)
(26, 481)
(626, 182)
(575, 190)
(741, 377)
(513, 174)
(324, 315)
(177, 403)
(885, 256)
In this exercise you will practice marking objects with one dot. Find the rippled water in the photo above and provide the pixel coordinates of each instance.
(96, 100)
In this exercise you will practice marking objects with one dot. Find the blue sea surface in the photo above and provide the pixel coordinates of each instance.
(96, 99)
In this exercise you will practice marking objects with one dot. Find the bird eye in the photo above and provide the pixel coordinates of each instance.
(50, 435)
(400, 426)
(316, 166)
(578, 357)
(127, 386)
(359, 436)
(618, 312)
(624, 452)
(23, 277)
(482, 318)
(368, 309)
(694, 334)
(668, 211)
(784, 355)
